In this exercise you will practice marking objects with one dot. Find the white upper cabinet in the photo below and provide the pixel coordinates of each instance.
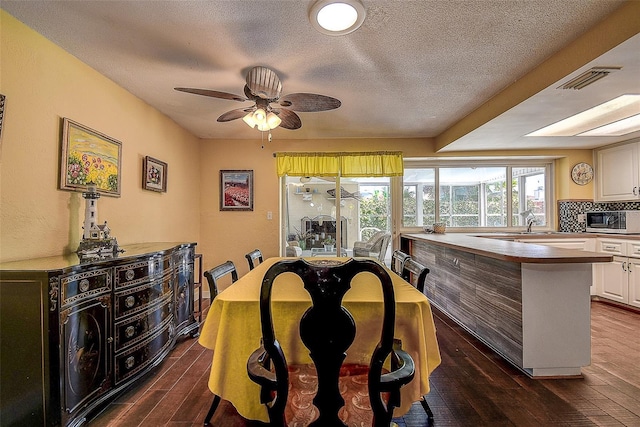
(617, 173)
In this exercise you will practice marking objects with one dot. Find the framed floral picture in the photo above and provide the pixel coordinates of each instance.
(89, 156)
(236, 190)
(154, 175)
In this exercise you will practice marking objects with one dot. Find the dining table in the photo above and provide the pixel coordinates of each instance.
(232, 330)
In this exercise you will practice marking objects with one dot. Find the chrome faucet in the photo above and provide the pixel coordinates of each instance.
(529, 218)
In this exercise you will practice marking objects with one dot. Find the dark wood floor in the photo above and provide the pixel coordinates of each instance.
(472, 387)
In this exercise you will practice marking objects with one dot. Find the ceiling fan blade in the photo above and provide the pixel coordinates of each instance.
(212, 93)
(234, 114)
(264, 83)
(309, 102)
(290, 120)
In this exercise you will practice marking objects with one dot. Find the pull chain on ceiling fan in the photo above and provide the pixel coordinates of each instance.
(264, 88)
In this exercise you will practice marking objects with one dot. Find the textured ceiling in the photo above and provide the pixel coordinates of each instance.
(414, 69)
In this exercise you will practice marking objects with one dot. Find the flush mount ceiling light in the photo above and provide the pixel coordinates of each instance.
(619, 116)
(337, 17)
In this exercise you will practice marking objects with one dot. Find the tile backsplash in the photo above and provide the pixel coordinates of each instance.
(568, 211)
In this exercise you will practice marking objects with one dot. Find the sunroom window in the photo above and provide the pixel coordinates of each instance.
(491, 196)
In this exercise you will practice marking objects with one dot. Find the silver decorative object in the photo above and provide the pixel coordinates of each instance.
(97, 242)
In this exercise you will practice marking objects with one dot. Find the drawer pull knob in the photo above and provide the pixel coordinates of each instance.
(130, 274)
(84, 285)
(130, 331)
(130, 362)
(130, 301)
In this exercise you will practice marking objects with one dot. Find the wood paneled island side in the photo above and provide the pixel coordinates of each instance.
(528, 302)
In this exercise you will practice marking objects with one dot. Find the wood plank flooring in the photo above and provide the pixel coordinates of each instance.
(472, 387)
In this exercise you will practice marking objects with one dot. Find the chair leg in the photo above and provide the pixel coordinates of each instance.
(426, 408)
(212, 409)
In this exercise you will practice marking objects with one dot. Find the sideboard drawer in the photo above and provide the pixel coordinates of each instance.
(79, 286)
(137, 328)
(138, 299)
(140, 356)
(141, 272)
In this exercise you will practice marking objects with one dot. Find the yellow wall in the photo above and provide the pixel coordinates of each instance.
(43, 83)
(229, 235)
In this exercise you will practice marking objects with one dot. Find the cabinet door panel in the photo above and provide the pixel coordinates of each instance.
(85, 353)
(612, 279)
(634, 282)
(617, 173)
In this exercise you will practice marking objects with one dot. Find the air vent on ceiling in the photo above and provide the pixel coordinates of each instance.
(588, 77)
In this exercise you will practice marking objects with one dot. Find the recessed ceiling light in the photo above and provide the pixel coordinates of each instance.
(619, 128)
(337, 17)
(599, 117)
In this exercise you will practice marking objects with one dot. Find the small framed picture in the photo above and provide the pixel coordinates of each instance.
(154, 175)
(236, 190)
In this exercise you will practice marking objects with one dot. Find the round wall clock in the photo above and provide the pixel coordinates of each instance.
(582, 173)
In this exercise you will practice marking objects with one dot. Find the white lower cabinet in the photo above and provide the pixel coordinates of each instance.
(619, 280)
(634, 282)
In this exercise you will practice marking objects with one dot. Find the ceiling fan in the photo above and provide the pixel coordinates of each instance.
(264, 88)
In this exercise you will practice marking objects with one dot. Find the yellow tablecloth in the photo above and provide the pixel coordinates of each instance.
(232, 331)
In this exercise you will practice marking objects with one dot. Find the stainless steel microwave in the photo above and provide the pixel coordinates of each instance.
(620, 222)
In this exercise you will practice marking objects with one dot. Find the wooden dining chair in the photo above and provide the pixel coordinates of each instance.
(213, 275)
(398, 258)
(216, 273)
(415, 273)
(254, 258)
(327, 330)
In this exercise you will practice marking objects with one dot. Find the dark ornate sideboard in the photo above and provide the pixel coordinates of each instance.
(74, 335)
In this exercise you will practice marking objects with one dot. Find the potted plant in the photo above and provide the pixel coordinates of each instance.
(329, 243)
(302, 237)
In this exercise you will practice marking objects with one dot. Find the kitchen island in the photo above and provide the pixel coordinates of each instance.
(530, 303)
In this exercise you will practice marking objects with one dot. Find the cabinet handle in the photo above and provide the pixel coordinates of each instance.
(635, 191)
(623, 266)
(609, 248)
(629, 267)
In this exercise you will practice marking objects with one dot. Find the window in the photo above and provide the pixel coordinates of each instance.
(476, 197)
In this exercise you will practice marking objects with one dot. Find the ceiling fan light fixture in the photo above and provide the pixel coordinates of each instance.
(273, 121)
(262, 120)
(337, 17)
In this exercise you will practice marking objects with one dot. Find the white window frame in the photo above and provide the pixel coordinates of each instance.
(507, 163)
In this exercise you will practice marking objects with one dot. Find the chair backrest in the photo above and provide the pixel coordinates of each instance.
(366, 233)
(415, 273)
(254, 258)
(327, 329)
(218, 272)
(398, 258)
(384, 244)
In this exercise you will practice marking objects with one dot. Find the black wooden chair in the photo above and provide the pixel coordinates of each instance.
(327, 329)
(398, 258)
(415, 273)
(254, 258)
(213, 276)
(218, 272)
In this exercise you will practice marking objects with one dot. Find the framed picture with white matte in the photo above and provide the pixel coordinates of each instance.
(154, 175)
(236, 190)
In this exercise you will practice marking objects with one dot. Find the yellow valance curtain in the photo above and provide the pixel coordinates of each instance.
(348, 164)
